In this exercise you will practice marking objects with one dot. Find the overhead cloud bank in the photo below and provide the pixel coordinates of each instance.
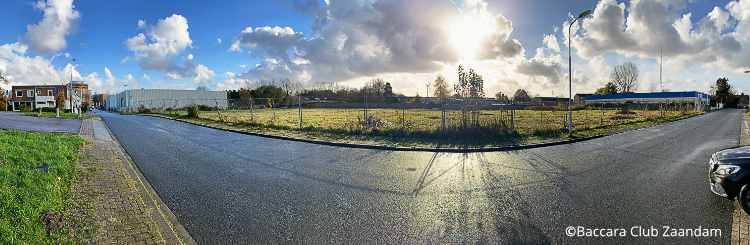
(351, 39)
(60, 20)
(160, 46)
(715, 41)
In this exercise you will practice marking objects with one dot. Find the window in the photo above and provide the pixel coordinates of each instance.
(49, 92)
(19, 93)
(31, 93)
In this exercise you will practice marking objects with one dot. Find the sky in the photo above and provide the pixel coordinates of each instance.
(513, 44)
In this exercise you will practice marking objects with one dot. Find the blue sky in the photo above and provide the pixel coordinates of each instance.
(513, 44)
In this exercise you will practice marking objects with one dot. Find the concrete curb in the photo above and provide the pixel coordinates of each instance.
(159, 209)
(391, 148)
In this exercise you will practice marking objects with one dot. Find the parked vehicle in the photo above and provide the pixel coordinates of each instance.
(729, 174)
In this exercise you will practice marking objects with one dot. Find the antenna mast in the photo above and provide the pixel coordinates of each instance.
(661, 53)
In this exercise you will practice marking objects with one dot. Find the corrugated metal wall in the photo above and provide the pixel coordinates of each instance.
(157, 98)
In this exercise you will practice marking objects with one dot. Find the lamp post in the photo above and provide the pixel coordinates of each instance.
(126, 98)
(570, 75)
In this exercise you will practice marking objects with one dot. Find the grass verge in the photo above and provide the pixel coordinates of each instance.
(430, 140)
(62, 115)
(26, 191)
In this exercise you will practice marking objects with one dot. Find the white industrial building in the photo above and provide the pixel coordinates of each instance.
(129, 100)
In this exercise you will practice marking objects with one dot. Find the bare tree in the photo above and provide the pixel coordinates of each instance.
(202, 88)
(625, 77)
(652, 88)
(441, 87)
(290, 87)
(375, 87)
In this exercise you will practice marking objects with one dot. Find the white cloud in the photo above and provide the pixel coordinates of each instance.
(59, 21)
(551, 42)
(218, 40)
(714, 42)
(159, 47)
(146, 77)
(229, 74)
(356, 39)
(243, 66)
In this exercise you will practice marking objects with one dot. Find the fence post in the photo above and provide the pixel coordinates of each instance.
(365, 109)
(512, 115)
(442, 126)
(403, 118)
(251, 110)
(602, 110)
(299, 103)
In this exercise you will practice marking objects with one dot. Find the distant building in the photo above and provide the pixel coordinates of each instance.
(37, 96)
(580, 98)
(81, 89)
(743, 101)
(700, 100)
(100, 100)
(167, 98)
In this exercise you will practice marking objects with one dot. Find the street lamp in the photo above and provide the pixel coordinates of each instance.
(570, 75)
(126, 97)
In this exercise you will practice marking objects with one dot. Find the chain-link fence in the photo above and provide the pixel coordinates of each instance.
(414, 115)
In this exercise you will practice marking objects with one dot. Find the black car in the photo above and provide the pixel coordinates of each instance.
(729, 172)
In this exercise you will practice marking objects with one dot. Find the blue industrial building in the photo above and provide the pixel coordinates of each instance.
(701, 100)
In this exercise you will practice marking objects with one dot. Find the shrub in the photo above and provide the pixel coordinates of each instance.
(205, 108)
(24, 108)
(579, 107)
(85, 106)
(143, 109)
(193, 110)
(49, 109)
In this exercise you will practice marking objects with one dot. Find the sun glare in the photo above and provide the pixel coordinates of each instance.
(466, 36)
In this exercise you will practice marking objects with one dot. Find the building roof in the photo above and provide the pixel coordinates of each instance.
(649, 96)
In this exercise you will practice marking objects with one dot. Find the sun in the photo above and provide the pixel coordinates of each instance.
(467, 35)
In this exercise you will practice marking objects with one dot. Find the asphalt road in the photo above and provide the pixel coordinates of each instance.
(39, 124)
(228, 188)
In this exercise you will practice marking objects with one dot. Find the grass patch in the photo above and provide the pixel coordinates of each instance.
(62, 115)
(421, 127)
(25, 193)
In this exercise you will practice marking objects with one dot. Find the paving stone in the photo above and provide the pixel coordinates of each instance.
(120, 206)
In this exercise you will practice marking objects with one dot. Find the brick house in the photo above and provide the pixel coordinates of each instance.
(743, 101)
(37, 96)
(580, 98)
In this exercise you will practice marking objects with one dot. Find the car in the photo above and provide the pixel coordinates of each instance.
(729, 174)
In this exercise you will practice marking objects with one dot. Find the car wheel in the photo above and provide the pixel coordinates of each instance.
(744, 198)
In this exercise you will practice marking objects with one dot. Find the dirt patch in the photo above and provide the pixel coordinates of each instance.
(53, 221)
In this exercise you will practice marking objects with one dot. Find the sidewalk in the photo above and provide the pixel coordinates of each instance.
(740, 219)
(124, 210)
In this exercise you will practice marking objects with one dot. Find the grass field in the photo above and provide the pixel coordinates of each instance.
(426, 121)
(52, 114)
(25, 193)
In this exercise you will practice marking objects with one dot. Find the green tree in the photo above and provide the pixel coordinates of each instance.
(244, 93)
(267, 91)
(417, 98)
(723, 92)
(609, 88)
(499, 96)
(388, 91)
(521, 95)
(85, 106)
(470, 85)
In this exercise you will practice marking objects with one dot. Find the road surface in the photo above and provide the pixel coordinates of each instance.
(39, 124)
(229, 188)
